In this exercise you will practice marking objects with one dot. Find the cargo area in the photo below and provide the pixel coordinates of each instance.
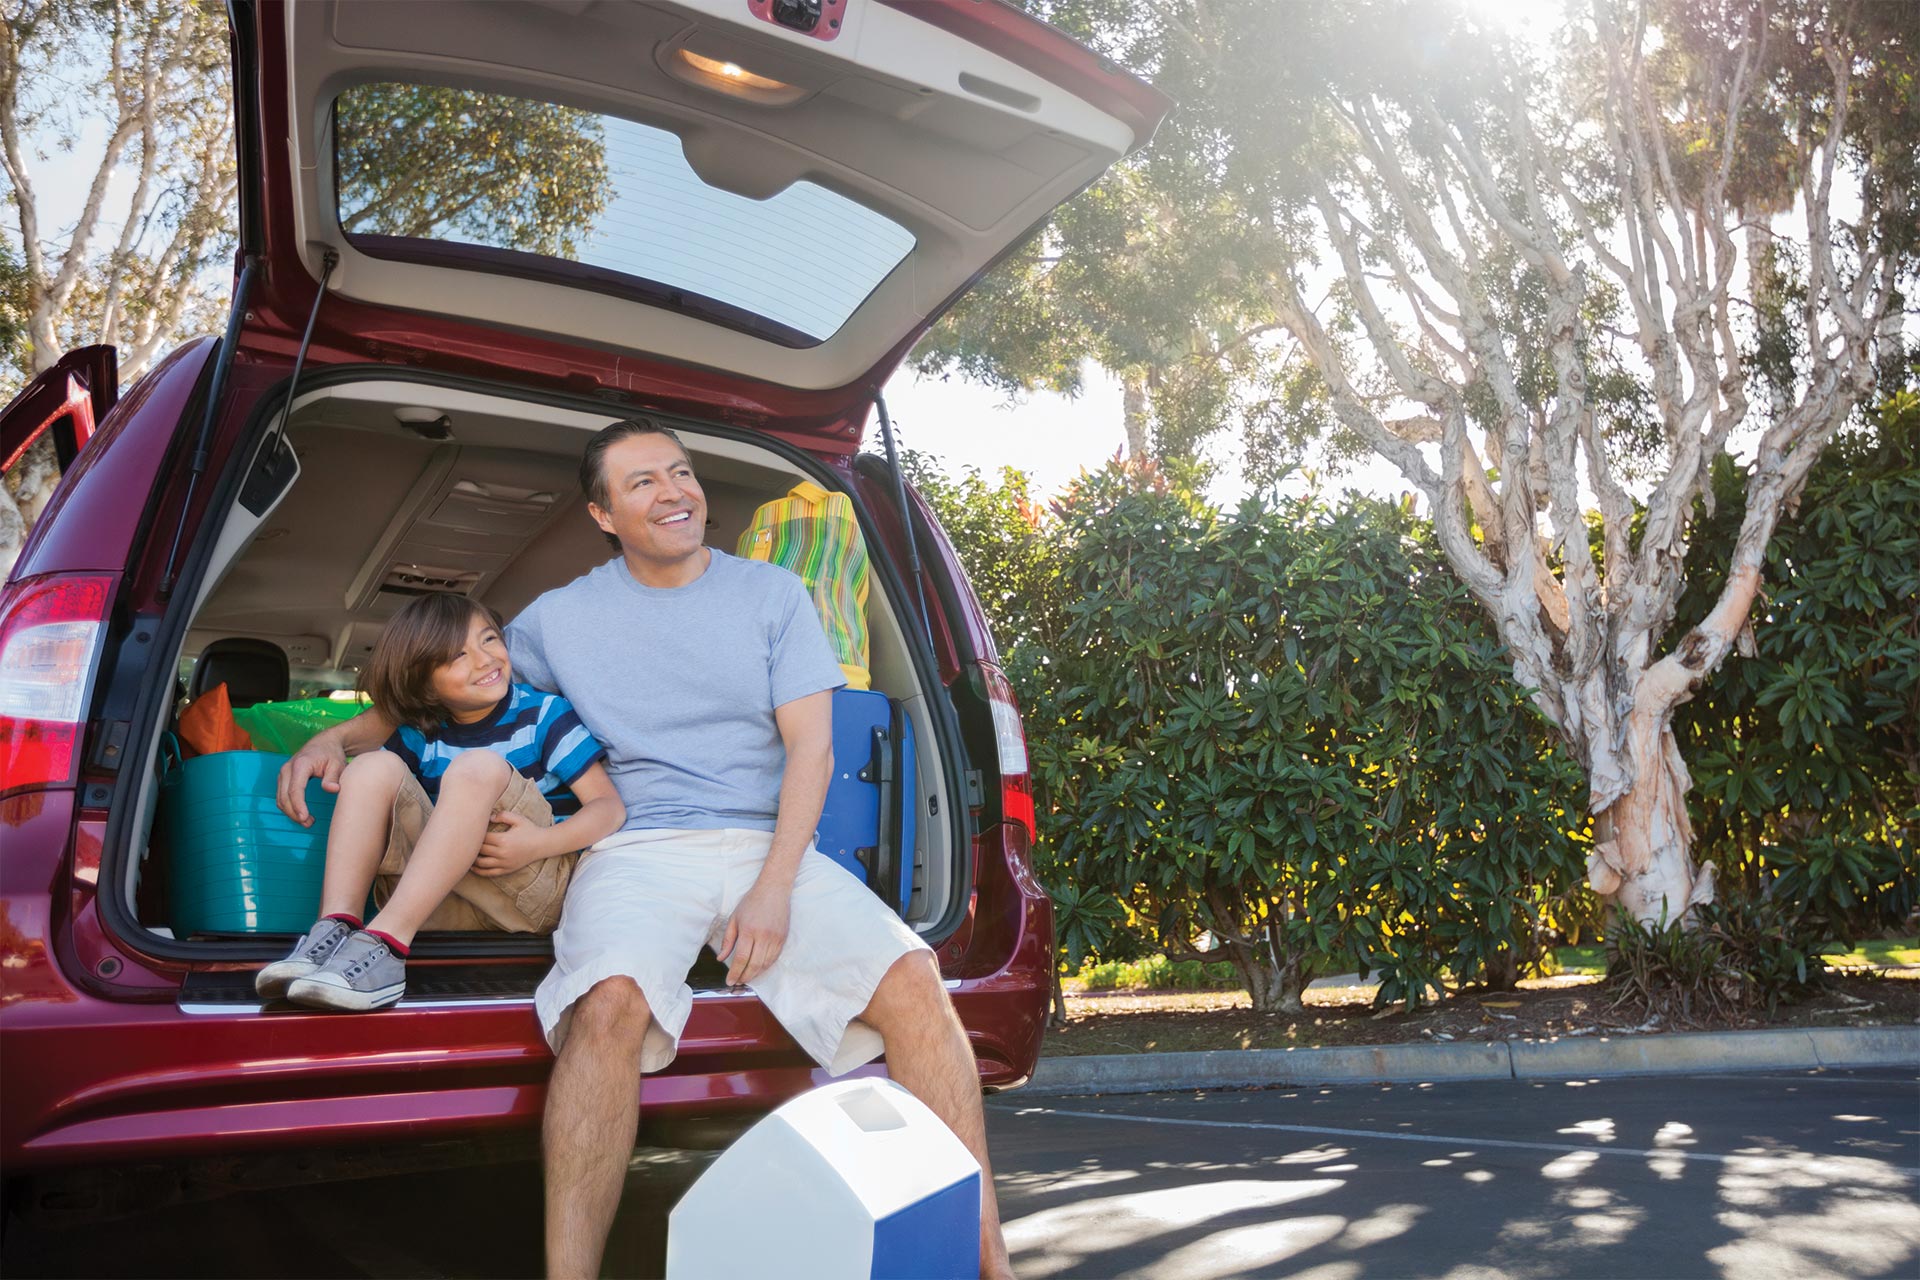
(398, 487)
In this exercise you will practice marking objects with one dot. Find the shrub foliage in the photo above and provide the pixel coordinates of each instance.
(1282, 736)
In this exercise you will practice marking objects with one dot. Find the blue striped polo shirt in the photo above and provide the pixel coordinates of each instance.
(538, 733)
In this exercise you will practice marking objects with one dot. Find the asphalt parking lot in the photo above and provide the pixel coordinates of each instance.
(1798, 1175)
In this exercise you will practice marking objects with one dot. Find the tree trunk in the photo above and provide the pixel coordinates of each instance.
(1503, 972)
(1274, 987)
(1643, 855)
(23, 496)
(1133, 411)
(1057, 1006)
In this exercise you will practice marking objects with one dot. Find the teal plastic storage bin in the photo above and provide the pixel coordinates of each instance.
(239, 865)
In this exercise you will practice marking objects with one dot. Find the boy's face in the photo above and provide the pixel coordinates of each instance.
(654, 505)
(474, 680)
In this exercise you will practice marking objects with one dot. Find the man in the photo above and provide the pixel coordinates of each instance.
(709, 680)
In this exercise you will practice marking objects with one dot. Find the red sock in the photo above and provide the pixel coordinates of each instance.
(345, 918)
(398, 948)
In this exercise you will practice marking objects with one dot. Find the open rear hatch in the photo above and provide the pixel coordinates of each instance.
(747, 208)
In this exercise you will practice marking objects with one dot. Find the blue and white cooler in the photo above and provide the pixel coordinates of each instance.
(855, 1179)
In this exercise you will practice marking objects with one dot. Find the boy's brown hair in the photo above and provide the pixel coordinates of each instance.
(429, 632)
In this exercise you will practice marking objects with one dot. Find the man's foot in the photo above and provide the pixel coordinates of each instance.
(363, 973)
(313, 950)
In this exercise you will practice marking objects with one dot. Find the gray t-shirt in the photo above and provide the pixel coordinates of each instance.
(680, 683)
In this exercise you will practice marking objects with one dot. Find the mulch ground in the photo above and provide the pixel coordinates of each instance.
(1169, 1022)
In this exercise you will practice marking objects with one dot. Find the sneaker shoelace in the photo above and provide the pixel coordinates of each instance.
(365, 962)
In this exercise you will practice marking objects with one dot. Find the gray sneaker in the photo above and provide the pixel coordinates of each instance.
(308, 954)
(362, 974)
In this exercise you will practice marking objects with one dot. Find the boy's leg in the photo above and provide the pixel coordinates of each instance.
(526, 900)
(357, 834)
(449, 844)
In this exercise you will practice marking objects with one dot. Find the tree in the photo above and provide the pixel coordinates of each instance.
(1807, 754)
(1695, 121)
(456, 164)
(1278, 733)
(161, 95)
(1127, 276)
(1592, 268)
(13, 307)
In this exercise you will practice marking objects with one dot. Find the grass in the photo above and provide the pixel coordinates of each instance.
(1158, 973)
(1585, 959)
(1878, 954)
(1155, 973)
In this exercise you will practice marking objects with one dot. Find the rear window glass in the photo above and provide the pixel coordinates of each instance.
(540, 185)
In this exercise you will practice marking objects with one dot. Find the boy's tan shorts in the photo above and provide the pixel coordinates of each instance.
(523, 901)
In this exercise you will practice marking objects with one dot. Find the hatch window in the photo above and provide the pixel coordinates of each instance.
(521, 187)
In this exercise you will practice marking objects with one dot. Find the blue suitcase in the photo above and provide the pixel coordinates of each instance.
(867, 824)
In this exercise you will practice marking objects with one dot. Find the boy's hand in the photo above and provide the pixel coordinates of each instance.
(512, 841)
(322, 758)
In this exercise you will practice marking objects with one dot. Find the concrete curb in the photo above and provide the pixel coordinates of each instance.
(1668, 1053)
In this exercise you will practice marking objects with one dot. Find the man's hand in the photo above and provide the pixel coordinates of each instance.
(757, 931)
(512, 841)
(324, 758)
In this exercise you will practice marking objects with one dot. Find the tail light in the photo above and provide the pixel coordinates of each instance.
(50, 631)
(1010, 744)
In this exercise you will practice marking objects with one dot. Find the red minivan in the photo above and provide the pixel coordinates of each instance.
(783, 195)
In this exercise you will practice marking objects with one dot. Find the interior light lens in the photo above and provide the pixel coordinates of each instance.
(732, 78)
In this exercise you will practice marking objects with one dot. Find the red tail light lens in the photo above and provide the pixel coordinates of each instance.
(50, 631)
(1010, 744)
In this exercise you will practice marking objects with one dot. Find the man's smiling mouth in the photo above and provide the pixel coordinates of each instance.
(678, 517)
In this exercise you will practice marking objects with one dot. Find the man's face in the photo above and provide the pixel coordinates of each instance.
(654, 505)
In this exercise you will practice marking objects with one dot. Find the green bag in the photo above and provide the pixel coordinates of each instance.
(284, 727)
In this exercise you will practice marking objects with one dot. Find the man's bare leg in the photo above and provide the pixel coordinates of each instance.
(927, 1053)
(592, 1119)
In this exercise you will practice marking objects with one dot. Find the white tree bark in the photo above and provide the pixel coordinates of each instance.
(1133, 411)
(1585, 626)
(162, 94)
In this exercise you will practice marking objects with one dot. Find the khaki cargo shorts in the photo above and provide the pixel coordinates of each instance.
(648, 900)
(523, 901)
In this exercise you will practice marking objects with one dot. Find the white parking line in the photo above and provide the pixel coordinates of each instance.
(1797, 1159)
(1814, 1075)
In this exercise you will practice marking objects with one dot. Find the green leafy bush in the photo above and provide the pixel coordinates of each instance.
(1739, 956)
(1806, 755)
(1286, 731)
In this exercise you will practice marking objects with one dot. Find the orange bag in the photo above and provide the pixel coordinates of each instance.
(207, 725)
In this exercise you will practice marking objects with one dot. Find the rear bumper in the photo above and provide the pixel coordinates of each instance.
(89, 1080)
(111, 1084)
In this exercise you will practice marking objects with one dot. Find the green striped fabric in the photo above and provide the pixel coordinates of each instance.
(816, 535)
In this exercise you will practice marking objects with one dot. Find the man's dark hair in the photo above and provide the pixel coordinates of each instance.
(593, 472)
(593, 476)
